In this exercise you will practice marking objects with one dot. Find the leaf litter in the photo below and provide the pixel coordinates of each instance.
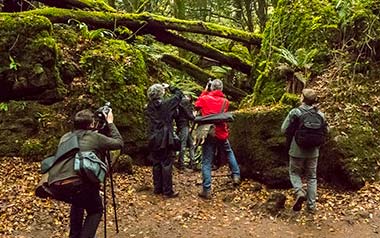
(143, 214)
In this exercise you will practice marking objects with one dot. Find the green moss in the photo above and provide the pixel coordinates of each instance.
(262, 150)
(32, 148)
(290, 99)
(117, 73)
(36, 71)
(99, 5)
(29, 24)
(361, 154)
(66, 35)
(301, 24)
(294, 25)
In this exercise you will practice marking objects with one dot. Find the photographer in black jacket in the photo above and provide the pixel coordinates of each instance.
(88, 197)
(160, 113)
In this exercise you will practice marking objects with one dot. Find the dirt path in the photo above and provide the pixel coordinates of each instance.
(233, 212)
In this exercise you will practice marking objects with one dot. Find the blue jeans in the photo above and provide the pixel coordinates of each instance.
(208, 153)
(186, 141)
(309, 166)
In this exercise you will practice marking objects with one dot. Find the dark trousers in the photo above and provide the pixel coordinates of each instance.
(162, 172)
(186, 141)
(87, 199)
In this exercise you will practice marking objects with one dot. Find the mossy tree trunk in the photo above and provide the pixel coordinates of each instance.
(165, 30)
(200, 75)
(159, 27)
(23, 5)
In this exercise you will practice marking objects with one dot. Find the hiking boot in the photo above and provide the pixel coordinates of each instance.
(235, 180)
(298, 203)
(205, 194)
(171, 195)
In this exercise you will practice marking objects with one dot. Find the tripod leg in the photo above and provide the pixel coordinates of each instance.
(114, 201)
(105, 208)
(108, 159)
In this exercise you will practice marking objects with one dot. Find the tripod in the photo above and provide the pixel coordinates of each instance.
(108, 161)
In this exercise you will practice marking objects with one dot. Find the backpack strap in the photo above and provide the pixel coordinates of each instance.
(223, 106)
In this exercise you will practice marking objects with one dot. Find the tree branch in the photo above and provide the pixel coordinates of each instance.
(204, 50)
(79, 4)
(201, 76)
(153, 21)
(134, 22)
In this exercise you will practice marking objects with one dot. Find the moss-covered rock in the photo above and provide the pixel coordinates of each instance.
(103, 70)
(347, 160)
(29, 129)
(117, 73)
(261, 153)
(28, 58)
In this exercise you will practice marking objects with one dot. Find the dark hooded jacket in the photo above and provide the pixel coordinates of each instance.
(160, 113)
(185, 114)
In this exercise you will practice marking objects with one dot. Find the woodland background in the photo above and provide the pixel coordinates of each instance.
(58, 57)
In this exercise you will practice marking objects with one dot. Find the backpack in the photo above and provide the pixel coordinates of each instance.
(67, 171)
(59, 180)
(311, 130)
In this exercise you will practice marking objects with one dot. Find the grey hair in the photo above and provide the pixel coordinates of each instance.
(155, 91)
(216, 84)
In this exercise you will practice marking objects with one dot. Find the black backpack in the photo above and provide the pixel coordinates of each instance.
(312, 128)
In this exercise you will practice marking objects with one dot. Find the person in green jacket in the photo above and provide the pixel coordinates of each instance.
(88, 197)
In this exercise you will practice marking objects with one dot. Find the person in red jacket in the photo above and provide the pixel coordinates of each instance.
(211, 101)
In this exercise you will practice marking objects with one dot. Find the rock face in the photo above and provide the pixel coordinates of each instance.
(259, 147)
(54, 71)
(28, 58)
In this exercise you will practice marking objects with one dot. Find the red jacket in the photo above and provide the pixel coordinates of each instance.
(211, 103)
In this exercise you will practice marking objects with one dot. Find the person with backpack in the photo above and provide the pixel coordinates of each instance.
(88, 197)
(213, 101)
(306, 128)
(182, 120)
(160, 113)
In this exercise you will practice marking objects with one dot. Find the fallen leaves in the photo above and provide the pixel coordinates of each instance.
(21, 213)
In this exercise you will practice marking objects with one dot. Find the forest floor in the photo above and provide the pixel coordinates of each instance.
(232, 212)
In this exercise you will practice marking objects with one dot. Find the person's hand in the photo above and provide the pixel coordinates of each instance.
(109, 117)
(208, 86)
(165, 85)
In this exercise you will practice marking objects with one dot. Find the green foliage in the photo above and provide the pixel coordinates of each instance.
(290, 99)
(92, 34)
(359, 27)
(66, 35)
(3, 106)
(301, 61)
(13, 64)
(361, 153)
(308, 24)
(299, 33)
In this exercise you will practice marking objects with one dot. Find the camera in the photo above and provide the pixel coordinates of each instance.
(101, 114)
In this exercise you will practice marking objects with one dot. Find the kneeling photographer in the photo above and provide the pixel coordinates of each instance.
(88, 197)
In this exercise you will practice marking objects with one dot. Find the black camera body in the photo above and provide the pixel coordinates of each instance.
(101, 114)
